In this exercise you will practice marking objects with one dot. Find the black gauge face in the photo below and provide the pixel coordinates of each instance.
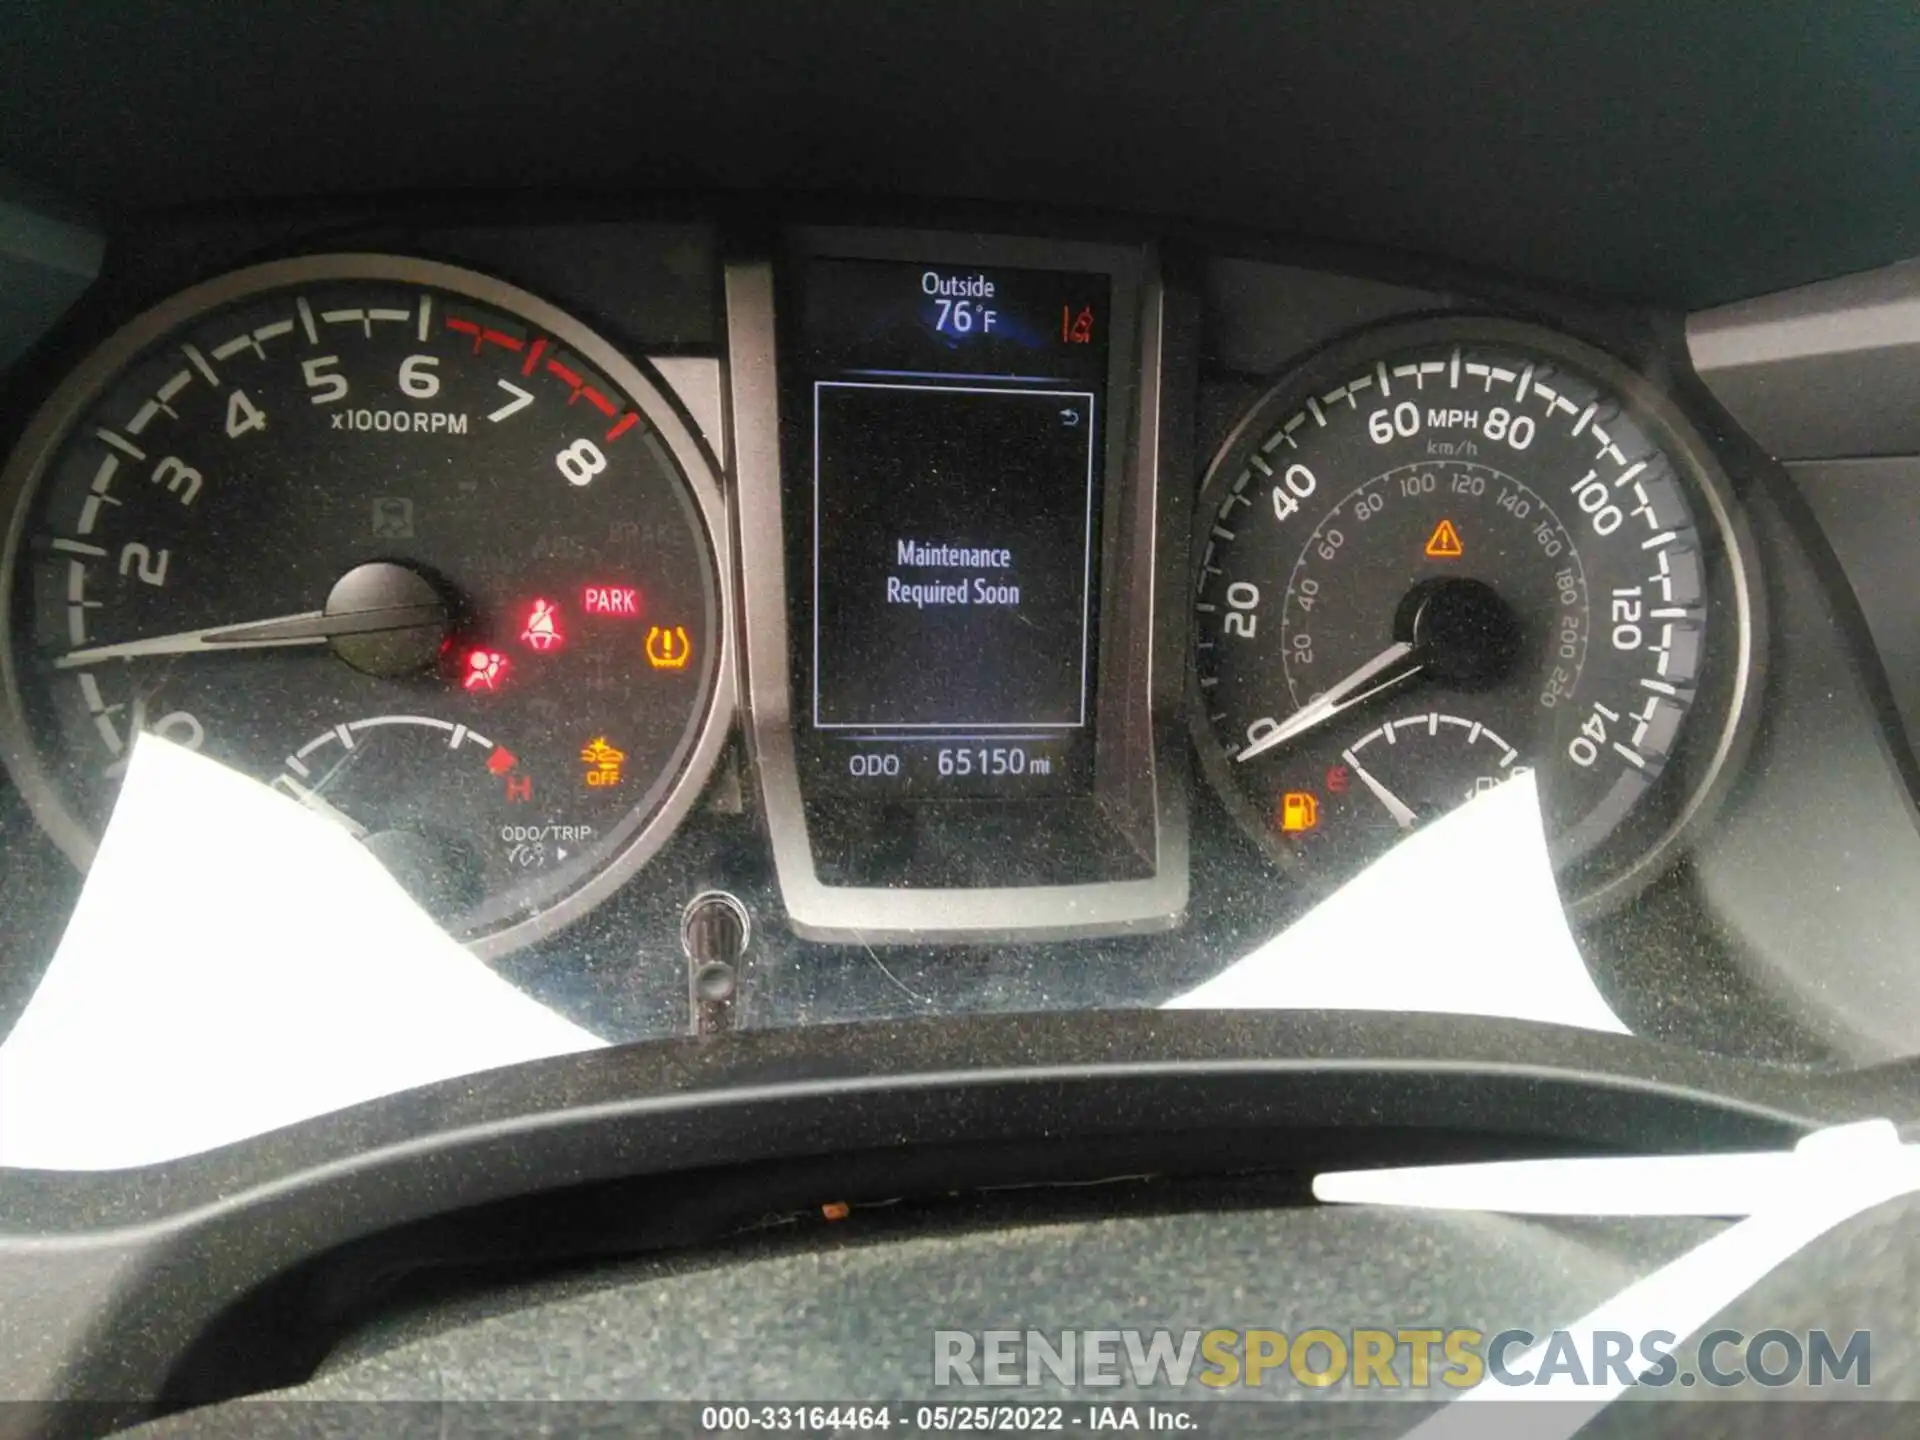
(1453, 553)
(403, 544)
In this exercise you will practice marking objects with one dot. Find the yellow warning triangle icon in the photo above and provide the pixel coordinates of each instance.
(1444, 543)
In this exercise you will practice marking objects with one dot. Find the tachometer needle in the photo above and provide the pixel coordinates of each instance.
(1396, 807)
(310, 627)
(1390, 667)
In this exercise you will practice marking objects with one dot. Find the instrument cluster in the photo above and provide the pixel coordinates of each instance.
(968, 613)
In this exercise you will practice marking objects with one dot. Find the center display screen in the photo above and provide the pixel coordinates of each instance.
(948, 506)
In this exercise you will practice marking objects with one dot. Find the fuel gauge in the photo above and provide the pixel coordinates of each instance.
(1386, 781)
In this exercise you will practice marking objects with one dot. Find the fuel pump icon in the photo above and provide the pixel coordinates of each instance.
(1299, 811)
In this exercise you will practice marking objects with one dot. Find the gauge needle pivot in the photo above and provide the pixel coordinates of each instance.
(1392, 666)
(1402, 813)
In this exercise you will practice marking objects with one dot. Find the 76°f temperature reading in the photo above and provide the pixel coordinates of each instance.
(963, 317)
(961, 303)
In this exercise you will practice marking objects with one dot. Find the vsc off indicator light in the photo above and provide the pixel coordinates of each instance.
(603, 762)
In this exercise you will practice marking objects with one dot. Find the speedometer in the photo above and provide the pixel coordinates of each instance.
(404, 544)
(1451, 553)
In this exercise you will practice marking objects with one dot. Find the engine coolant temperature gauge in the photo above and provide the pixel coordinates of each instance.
(394, 781)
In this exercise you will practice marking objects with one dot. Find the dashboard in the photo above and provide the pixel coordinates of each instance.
(953, 559)
(655, 632)
(721, 626)
(768, 596)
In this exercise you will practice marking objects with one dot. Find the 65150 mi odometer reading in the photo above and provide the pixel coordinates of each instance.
(954, 456)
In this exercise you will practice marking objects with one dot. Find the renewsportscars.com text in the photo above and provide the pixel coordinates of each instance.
(1394, 1359)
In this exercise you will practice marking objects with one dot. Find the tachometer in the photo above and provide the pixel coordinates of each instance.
(1452, 552)
(402, 542)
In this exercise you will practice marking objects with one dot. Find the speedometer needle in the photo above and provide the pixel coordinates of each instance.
(1403, 815)
(1390, 667)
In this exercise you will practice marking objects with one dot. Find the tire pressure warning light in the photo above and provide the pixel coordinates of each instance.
(1299, 811)
(669, 649)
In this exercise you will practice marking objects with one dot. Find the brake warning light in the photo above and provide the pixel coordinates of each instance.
(622, 601)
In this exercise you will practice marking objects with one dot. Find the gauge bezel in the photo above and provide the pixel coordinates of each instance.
(1641, 848)
(1141, 770)
(39, 443)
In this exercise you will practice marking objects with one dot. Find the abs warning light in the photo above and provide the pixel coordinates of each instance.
(1444, 543)
(619, 601)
